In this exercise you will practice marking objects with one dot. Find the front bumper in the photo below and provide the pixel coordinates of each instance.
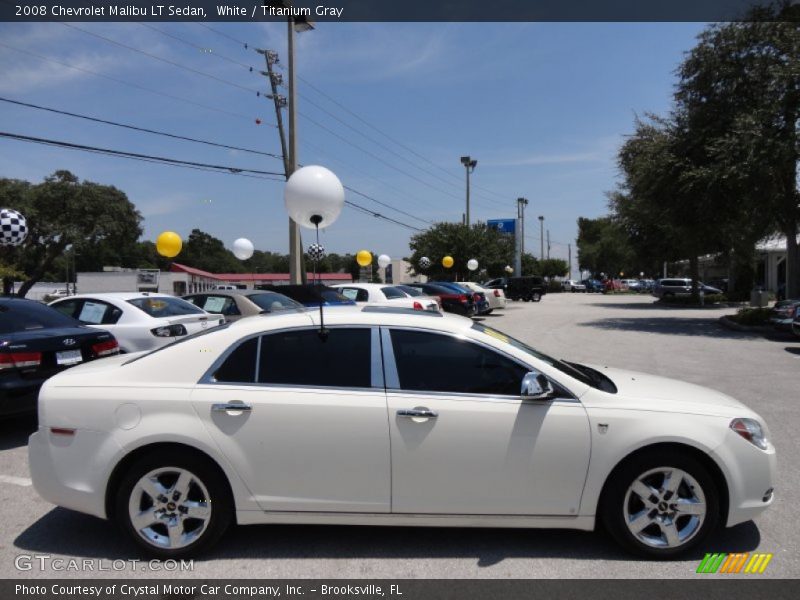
(751, 474)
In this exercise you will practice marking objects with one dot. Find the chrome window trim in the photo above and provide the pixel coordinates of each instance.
(208, 376)
(391, 367)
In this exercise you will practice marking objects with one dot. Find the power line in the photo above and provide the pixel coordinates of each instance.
(165, 60)
(126, 154)
(225, 35)
(142, 129)
(127, 83)
(272, 176)
(204, 50)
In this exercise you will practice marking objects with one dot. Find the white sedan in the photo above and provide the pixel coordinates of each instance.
(386, 295)
(139, 320)
(386, 418)
(495, 297)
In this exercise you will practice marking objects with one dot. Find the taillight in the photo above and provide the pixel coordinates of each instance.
(105, 348)
(417, 306)
(463, 299)
(497, 293)
(169, 331)
(20, 360)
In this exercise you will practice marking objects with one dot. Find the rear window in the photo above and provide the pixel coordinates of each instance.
(27, 316)
(675, 282)
(165, 306)
(392, 292)
(411, 291)
(273, 302)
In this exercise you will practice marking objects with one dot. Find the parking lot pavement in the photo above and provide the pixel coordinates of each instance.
(622, 331)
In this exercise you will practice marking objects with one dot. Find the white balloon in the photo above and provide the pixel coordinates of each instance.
(384, 260)
(472, 264)
(313, 193)
(243, 248)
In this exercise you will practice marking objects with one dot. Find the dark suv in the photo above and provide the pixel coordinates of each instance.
(526, 288)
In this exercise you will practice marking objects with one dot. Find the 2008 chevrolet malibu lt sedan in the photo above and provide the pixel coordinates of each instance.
(392, 417)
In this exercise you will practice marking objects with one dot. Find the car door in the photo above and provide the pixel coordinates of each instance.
(303, 420)
(463, 441)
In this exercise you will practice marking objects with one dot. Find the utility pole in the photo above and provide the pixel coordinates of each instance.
(296, 272)
(548, 244)
(519, 235)
(569, 260)
(541, 236)
(469, 164)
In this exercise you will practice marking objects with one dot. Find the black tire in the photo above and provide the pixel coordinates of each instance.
(526, 299)
(211, 477)
(536, 297)
(613, 502)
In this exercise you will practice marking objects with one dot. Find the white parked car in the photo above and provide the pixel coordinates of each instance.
(139, 320)
(392, 417)
(572, 285)
(385, 294)
(495, 297)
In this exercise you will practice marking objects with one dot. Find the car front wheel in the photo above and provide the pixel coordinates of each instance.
(174, 504)
(660, 505)
(536, 297)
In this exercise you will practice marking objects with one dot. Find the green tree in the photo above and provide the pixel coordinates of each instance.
(203, 251)
(604, 247)
(64, 211)
(492, 249)
(740, 91)
(553, 267)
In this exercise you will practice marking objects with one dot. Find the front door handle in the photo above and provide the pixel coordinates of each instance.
(424, 413)
(231, 407)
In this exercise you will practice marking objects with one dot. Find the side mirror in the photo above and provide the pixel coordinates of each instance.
(536, 386)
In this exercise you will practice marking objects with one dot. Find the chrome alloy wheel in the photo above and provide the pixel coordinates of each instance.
(664, 507)
(169, 507)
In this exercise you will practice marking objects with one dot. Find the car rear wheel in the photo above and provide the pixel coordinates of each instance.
(174, 504)
(660, 505)
(536, 296)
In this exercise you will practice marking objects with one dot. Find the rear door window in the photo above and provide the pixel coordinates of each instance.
(97, 312)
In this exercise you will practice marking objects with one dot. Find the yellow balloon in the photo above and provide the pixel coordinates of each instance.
(169, 244)
(364, 258)
(447, 262)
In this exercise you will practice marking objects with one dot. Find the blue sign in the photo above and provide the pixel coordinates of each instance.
(503, 225)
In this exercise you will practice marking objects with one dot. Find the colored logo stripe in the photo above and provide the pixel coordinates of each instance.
(734, 563)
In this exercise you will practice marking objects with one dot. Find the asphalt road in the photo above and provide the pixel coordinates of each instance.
(621, 331)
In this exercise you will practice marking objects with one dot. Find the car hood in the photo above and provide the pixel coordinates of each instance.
(651, 392)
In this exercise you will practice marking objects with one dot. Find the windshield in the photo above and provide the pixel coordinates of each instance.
(165, 306)
(580, 374)
(272, 302)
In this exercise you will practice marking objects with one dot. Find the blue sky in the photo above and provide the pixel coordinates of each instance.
(543, 108)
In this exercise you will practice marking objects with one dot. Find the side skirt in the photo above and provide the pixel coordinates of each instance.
(254, 517)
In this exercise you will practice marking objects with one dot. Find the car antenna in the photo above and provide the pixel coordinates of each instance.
(316, 253)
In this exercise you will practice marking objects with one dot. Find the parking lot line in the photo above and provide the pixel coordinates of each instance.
(21, 481)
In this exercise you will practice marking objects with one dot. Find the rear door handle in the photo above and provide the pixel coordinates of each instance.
(417, 412)
(231, 407)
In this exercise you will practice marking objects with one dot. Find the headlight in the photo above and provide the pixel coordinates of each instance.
(751, 430)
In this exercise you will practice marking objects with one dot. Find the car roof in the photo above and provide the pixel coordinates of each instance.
(122, 295)
(366, 286)
(234, 293)
(353, 315)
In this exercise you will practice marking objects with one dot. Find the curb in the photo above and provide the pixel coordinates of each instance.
(761, 329)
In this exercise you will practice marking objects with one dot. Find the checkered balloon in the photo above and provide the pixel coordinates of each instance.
(13, 227)
(424, 262)
(316, 252)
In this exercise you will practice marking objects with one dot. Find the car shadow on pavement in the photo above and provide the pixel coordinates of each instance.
(670, 326)
(84, 536)
(14, 432)
(793, 350)
(655, 305)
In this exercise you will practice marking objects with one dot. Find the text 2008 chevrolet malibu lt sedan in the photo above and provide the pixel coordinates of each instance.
(395, 417)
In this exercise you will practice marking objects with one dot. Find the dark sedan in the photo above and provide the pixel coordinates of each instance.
(311, 294)
(479, 298)
(783, 313)
(460, 303)
(36, 342)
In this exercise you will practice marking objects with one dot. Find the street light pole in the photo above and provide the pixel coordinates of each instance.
(541, 235)
(469, 165)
